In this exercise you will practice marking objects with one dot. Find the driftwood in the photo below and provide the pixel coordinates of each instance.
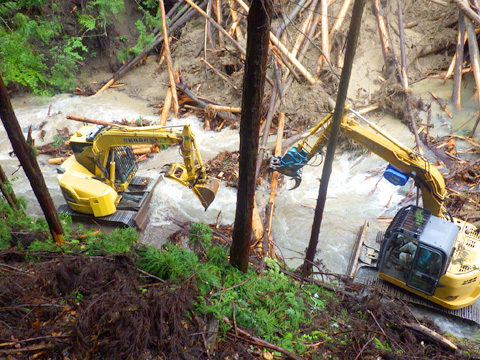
(56, 161)
(91, 121)
(167, 104)
(201, 103)
(474, 54)
(275, 41)
(302, 32)
(403, 56)
(432, 335)
(393, 68)
(442, 106)
(463, 5)
(325, 32)
(216, 25)
(257, 226)
(458, 59)
(388, 53)
(168, 57)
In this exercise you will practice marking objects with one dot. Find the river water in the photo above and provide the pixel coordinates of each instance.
(354, 193)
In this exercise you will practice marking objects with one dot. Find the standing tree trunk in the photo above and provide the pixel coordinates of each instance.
(352, 38)
(27, 160)
(252, 97)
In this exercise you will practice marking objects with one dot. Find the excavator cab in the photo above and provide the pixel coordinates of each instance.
(416, 250)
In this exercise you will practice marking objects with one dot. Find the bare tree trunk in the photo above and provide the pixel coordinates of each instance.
(253, 85)
(353, 33)
(29, 163)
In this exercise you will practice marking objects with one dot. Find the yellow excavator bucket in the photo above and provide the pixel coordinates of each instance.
(206, 192)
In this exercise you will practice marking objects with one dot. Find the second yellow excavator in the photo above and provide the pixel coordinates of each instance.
(442, 263)
(101, 172)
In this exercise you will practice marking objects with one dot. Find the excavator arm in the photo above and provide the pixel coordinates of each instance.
(404, 163)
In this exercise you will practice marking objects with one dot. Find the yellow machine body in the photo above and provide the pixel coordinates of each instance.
(96, 177)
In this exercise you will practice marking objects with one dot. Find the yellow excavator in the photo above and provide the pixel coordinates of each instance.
(99, 178)
(442, 263)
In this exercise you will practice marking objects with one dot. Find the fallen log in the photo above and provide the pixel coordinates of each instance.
(275, 41)
(463, 5)
(168, 57)
(91, 121)
(432, 335)
(474, 54)
(201, 103)
(458, 59)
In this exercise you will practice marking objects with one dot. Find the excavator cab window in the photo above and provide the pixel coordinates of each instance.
(426, 270)
(125, 164)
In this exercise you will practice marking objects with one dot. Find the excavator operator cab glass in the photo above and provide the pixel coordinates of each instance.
(425, 271)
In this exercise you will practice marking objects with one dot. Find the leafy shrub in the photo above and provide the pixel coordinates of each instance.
(37, 52)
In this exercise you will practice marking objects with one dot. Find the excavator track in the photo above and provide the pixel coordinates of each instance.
(470, 313)
(124, 218)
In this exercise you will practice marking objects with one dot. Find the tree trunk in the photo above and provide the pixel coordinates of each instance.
(27, 160)
(253, 85)
(353, 33)
(7, 189)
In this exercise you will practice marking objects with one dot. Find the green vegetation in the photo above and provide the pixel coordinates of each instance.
(273, 304)
(43, 43)
(301, 317)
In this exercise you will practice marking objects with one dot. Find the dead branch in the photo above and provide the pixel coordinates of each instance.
(463, 5)
(275, 41)
(432, 335)
(242, 334)
(269, 209)
(217, 26)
